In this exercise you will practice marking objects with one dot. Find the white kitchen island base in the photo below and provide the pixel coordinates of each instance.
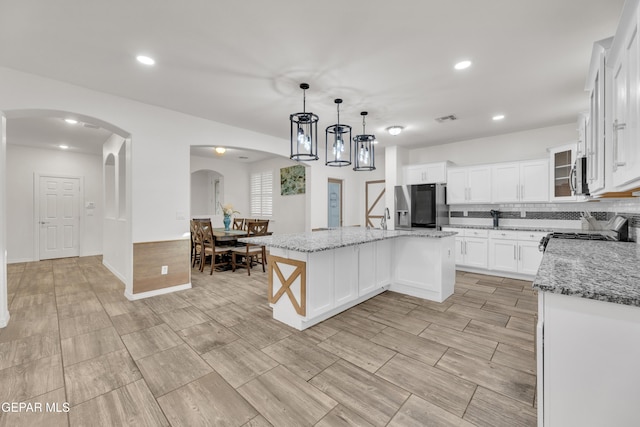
(307, 287)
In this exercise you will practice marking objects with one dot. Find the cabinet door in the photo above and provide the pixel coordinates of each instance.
(503, 255)
(345, 276)
(366, 274)
(435, 173)
(459, 250)
(505, 183)
(595, 128)
(561, 162)
(534, 181)
(456, 186)
(475, 252)
(479, 184)
(383, 262)
(529, 257)
(413, 175)
(626, 84)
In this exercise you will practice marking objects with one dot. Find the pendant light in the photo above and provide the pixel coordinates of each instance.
(363, 146)
(304, 132)
(338, 142)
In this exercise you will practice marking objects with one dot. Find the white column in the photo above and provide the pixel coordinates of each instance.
(4, 308)
(394, 159)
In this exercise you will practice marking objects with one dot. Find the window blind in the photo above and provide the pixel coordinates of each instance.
(262, 194)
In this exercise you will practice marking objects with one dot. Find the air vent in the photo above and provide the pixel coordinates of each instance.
(90, 126)
(449, 118)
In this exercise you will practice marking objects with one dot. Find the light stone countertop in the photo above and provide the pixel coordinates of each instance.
(600, 270)
(324, 240)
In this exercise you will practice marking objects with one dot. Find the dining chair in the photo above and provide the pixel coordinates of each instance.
(193, 242)
(208, 248)
(251, 252)
(238, 223)
(197, 238)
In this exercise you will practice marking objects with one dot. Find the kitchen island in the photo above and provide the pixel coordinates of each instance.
(314, 276)
(588, 334)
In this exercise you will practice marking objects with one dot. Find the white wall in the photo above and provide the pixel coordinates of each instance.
(235, 185)
(159, 149)
(289, 212)
(22, 163)
(526, 145)
(117, 251)
(203, 188)
(4, 306)
(353, 191)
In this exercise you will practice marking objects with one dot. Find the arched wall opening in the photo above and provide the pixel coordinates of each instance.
(25, 159)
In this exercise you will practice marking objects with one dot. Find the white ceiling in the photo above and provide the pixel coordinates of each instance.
(241, 62)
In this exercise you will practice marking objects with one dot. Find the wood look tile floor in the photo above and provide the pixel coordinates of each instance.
(212, 355)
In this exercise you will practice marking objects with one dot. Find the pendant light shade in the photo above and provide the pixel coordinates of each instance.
(338, 142)
(304, 132)
(363, 145)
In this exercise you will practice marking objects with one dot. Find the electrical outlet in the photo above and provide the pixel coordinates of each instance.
(165, 269)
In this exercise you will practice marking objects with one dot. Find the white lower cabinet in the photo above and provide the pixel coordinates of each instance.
(498, 251)
(515, 251)
(587, 355)
(471, 247)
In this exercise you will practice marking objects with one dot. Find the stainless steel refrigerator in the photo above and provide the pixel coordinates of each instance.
(421, 206)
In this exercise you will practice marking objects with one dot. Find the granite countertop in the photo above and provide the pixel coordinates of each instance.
(600, 270)
(323, 240)
(524, 228)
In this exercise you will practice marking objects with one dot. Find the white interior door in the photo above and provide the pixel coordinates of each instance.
(59, 219)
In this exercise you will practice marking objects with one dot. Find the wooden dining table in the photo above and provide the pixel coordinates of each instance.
(223, 235)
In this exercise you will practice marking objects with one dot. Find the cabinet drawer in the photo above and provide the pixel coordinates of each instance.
(533, 236)
(504, 234)
(471, 232)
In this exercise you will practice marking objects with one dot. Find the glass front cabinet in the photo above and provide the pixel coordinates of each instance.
(562, 162)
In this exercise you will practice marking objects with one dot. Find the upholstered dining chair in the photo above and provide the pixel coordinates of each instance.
(250, 251)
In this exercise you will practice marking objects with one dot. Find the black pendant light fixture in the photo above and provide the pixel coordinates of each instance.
(363, 146)
(304, 132)
(338, 142)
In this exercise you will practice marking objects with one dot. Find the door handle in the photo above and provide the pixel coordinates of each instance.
(514, 253)
(44, 222)
(616, 127)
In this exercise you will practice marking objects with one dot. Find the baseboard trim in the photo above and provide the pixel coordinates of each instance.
(19, 260)
(506, 274)
(4, 319)
(142, 295)
(114, 272)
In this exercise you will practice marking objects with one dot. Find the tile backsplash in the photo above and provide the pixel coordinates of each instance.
(552, 215)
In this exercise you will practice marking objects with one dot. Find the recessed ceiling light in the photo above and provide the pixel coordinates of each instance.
(71, 121)
(395, 130)
(462, 65)
(146, 60)
(498, 117)
(220, 150)
(63, 146)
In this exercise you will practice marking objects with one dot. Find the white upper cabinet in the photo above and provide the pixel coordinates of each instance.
(469, 184)
(593, 125)
(562, 160)
(426, 174)
(624, 63)
(520, 182)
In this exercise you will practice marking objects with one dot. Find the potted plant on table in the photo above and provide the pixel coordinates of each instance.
(227, 210)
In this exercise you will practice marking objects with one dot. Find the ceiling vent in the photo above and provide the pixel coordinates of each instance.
(449, 118)
(90, 126)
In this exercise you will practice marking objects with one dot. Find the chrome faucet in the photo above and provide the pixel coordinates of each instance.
(385, 217)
